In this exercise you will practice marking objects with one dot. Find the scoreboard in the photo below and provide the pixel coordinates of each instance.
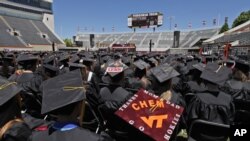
(145, 20)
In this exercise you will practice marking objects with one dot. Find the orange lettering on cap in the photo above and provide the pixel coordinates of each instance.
(159, 120)
(135, 107)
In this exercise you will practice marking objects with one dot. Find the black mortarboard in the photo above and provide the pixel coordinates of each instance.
(49, 59)
(117, 55)
(26, 57)
(75, 59)
(152, 60)
(190, 64)
(50, 70)
(199, 66)
(126, 60)
(62, 90)
(63, 57)
(7, 90)
(74, 66)
(216, 74)
(164, 72)
(141, 64)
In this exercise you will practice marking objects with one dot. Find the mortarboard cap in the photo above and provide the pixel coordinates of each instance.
(50, 70)
(141, 64)
(74, 66)
(75, 59)
(26, 57)
(199, 66)
(49, 59)
(115, 68)
(7, 90)
(63, 57)
(216, 74)
(62, 90)
(164, 72)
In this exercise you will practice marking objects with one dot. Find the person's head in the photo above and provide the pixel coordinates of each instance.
(141, 68)
(83, 69)
(27, 62)
(163, 75)
(115, 73)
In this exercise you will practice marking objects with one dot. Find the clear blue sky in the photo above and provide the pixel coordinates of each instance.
(98, 14)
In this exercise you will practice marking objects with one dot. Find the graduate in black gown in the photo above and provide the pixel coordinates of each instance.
(212, 104)
(12, 127)
(63, 98)
(29, 80)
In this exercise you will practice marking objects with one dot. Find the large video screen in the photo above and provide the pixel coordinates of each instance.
(145, 20)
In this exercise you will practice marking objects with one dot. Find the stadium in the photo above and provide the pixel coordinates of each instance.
(142, 82)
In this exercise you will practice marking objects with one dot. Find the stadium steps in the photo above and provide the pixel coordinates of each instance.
(116, 41)
(131, 37)
(28, 32)
(158, 39)
(6, 38)
(39, 30)
(51, 35)
(145, 37)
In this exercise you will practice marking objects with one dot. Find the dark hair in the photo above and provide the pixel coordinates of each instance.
(140, 73)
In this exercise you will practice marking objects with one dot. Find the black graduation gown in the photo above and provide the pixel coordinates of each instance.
(211, 106)
(77, 134)
(18, 132)
(194, 87)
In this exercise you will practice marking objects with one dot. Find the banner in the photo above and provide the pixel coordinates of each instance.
(153, 116)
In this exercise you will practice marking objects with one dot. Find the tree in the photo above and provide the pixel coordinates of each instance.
(242, 18)
(224, 28)
(68, 42)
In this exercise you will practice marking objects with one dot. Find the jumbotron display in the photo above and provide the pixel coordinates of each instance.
(145, 20)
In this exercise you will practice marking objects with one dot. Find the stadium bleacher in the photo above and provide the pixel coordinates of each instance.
(160, 39)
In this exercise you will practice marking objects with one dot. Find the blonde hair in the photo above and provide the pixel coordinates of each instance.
(167, 95)
(7, 126)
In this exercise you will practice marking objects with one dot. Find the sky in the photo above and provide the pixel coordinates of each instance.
(94, 15)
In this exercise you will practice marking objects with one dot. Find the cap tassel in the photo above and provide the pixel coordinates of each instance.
(6, 85)
(71, 88)
(218, 69)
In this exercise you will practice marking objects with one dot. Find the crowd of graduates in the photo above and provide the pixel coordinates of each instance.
(71, 96)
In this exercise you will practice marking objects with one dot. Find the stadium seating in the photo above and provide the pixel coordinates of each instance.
(30, 32)
(161, 40)
(6, 37)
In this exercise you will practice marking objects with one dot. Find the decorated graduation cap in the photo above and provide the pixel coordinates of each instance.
(151, 115)
(164, 72)
(115, 68)
(216, 74)
(7, 90)
(141, 64)
(74, 66)
(62, 90)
